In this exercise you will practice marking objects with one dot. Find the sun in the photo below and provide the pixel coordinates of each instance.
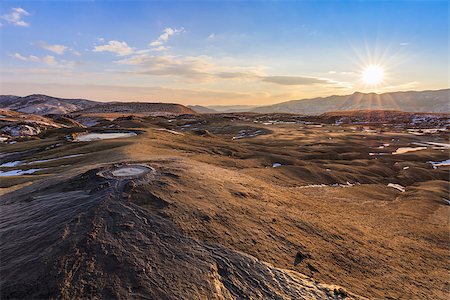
(373, 75)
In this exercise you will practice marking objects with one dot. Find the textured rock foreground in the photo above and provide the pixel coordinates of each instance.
(82, 239)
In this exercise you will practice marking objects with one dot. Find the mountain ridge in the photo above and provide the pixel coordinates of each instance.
(403, 101)
(432, 101)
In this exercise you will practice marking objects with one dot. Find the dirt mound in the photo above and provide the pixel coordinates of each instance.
(138, 108)
(81, 239)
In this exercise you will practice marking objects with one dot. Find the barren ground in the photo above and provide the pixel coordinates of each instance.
(216, 219)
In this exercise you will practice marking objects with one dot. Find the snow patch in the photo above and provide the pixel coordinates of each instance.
(403, 150)
(436, 164)
(89, 137)
(18, 172)
(397, 186)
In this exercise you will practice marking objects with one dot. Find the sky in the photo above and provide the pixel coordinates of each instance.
(221, 52)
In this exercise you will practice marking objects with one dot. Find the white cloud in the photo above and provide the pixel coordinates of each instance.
(164, 37)
(305, 81)
(33, 58)
(15, 17)
(19, 56)
(48, 60)
(212, 35)
(165, 65)
(58, 49)
(404, 44)
(191, 68)
(119, 48)
(331, 72)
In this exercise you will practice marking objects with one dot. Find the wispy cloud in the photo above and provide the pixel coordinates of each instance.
(15, 17)
(191, 68)
(49, 60)
(198, 69)
(116, 47)
(296, 80)
(164, 38)
(58, 49)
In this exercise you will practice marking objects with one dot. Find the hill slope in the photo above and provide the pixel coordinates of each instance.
(114, 249)
(43, 104)
(202, 109)
(138, 107)
(425, 101)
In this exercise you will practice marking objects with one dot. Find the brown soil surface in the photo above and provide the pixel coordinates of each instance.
(216, 220)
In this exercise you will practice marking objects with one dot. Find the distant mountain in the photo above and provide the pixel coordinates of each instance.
(202, 109)
(232, 108)
(424, 101)
(42, 104)
(137, 107)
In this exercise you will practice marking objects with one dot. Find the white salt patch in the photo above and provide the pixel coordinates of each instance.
(405, 168)
(171, 131)
(52, 159)
(397, 186)
(11, 164)
(427, 130)
(378, 153)
(247, 133)
(346, 185)
(436, 164)
(444, 145)
(276, 165)
(313, 186)
(403, 150)
(103, 136)
(446, 201)
(18, 172)
(3, 139)
(19, 163)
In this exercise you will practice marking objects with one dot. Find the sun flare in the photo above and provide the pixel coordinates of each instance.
(373, 75)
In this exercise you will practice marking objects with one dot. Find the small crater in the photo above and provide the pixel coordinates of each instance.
(126, 171)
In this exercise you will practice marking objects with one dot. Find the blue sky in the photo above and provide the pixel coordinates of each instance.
(214, 52)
